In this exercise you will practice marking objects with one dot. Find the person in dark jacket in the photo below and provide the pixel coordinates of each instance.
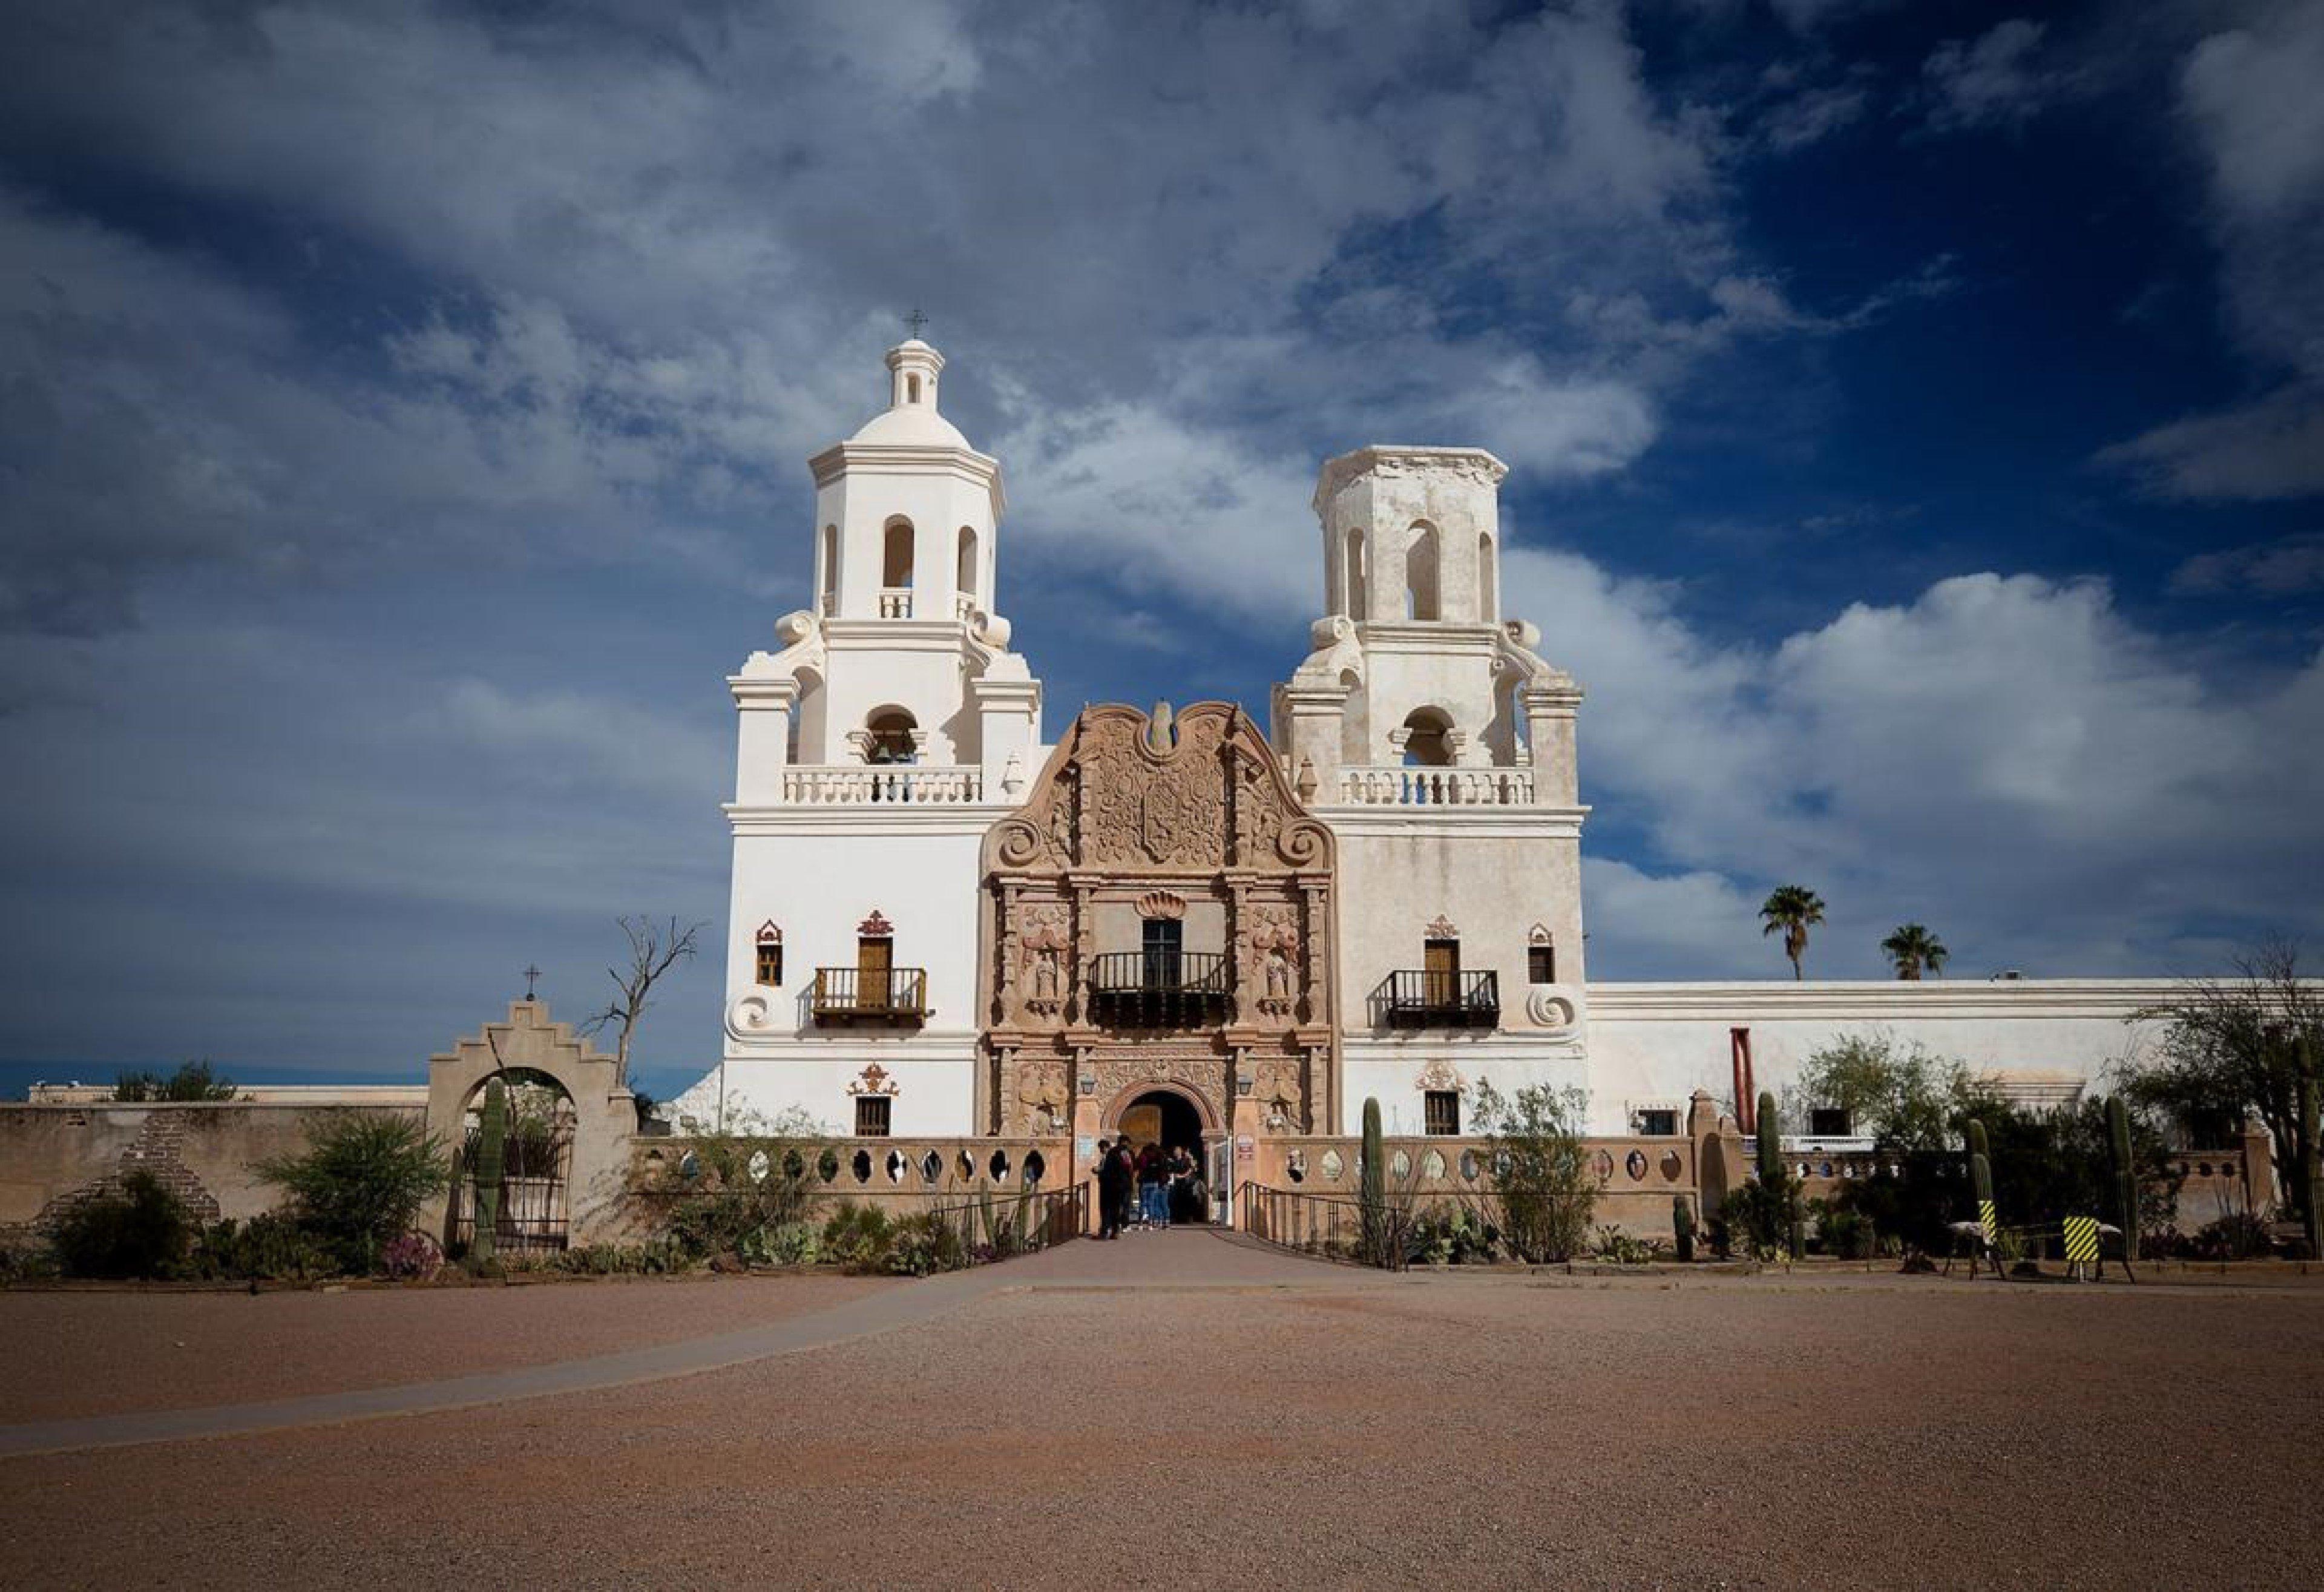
(1111, 1189)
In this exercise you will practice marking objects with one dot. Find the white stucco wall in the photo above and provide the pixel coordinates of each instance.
(1655, 1044)
(818, 873)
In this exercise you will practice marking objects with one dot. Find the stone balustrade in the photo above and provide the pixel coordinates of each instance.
(895, 602)
(858, 784)
(1435, 787)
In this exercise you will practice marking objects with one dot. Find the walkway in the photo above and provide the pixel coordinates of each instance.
(1190, 1258)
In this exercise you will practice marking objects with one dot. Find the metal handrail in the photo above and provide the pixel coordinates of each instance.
(1428, 997)
(1151, 972)
(1328, 1227)
(1036, 1218)
(843, 992)
(1159, 987)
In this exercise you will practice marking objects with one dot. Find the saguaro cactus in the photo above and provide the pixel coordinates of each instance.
(1374, 1186)
(491, 1148)
(1775, 1184)
(1771, 1142)
(1682, 1225)
(2125, 1174)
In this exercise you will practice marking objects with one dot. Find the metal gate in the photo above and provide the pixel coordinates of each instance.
(530, 1215)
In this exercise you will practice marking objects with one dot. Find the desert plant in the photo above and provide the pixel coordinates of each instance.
(1451, 1236)
(193, 1081)
(856, 1238)
(1843, 1231)
(485, 1175)
(411, 1257)
(269, 1247)
(1542, 1190)
(1616, 1247)
(142, 1230)
(729, 1190)
(1682, 1225)
(1372, 1192)
(360, 1181)
(1774, 1216)
(924, 1243)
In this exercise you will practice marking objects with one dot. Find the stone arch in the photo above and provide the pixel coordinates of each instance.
(1488, 587)
(1428, 738)
(1130, 1094)
(1353, 571)
(965, 576)
(1421, 561)
(896, 555)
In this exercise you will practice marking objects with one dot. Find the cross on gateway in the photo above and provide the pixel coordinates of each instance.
(530, 973)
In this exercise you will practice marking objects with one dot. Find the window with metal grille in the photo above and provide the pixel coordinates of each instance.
(871, 1116)
(1441, 1110)
(770, 962)
(1657, 1124)
(1541, 964)
(1162, 942)
(1829, 1123)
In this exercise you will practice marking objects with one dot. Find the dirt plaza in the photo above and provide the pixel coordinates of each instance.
(1172, 1410)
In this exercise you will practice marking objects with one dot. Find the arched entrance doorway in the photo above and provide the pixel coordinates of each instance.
(1164, 1117)
(1171, 1120)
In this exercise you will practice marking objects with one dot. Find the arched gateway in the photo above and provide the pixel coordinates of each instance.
(1157, 942)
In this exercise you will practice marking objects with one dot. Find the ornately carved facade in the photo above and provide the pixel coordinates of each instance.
(1183, 824)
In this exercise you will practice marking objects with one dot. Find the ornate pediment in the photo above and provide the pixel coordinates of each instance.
(876, 926)
(1124, 794)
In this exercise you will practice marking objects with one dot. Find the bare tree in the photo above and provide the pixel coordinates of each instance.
(654, 949)
(2250, 1046)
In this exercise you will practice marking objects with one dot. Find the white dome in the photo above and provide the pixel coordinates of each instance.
(912, 425)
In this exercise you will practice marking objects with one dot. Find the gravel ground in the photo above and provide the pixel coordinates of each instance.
(104, 1353)
(1350, 1431)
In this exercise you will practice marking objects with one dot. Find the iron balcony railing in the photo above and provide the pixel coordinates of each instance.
(1419, 998)
(899, 994)
(1159, 989)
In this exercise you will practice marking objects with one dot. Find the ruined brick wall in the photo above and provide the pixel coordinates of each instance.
(53, 1158)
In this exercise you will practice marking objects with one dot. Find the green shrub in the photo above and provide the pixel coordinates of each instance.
(27, 1262)
(1756, 1219)
(857, 1237)
(360, 1182)
(793, 1244)
(1452, 1235)
(272, 1247)
(1544, 1189)
(142, 1231)
(729, 1193)
(1619, 1248)
(192, 1081)
(655, 1257)
(923, 1244)
(1842, 1230)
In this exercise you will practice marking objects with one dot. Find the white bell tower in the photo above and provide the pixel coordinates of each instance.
(901, 660)
(1439, 746)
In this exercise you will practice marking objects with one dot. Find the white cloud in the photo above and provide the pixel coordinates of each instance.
(1994, 80)
(2007, 759)
(2287, 568)
(2249, 98)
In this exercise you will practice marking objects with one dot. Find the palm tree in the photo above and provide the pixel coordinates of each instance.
(1912, 948)
(1792, 908)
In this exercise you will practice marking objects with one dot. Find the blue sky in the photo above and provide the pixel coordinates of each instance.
(1916, 415)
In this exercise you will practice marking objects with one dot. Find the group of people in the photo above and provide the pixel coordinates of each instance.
(1140, 1186)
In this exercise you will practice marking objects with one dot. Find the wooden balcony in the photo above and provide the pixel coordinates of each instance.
(849, 994)
(1160, 989)
(1416, 997)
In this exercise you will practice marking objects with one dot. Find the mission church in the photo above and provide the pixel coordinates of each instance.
(1188, 925)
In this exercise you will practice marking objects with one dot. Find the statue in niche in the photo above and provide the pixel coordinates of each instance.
(1279, 976)
(1046, 944)
(1275, 947)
